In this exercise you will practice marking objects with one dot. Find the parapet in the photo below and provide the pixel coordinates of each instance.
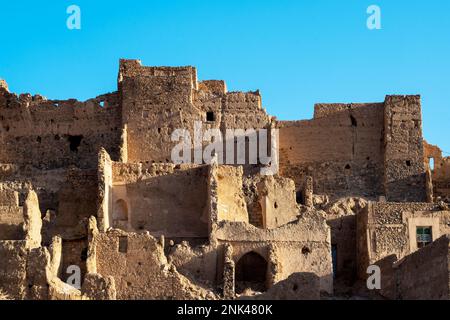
(217, 87)
(133, 68)
(4, 85)
(325, 109)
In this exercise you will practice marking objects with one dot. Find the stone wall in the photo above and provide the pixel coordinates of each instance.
(425, 274)
(51, 134)
(231, 202)
(341, 148)
(422, 275)
(440, 173)
(384, 229)
(301, 246)
(164, 199)
(403, 158)
(11, 216)
(158, 100)
(140, 268)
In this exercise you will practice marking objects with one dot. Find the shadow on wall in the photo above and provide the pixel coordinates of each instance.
(298, 286)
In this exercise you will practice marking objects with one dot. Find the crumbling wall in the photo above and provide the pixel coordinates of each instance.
(276, 196)
(52, 134)
(158, 100)
(66, 196)
(23, 262)
(14, 256)
(231, 202)
(341, 148)
(425, 274)
(199, 264)
(440, 173)
(422, 275)
(140, 268)
(298, 286)
(11, 215)
(403, 157)
(389, 228)
(155, 102)
(341, 217)
(164, 199)
(300, 246)
(243, 110)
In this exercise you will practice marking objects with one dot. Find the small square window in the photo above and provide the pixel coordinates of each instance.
(424, 236)
(210, 116)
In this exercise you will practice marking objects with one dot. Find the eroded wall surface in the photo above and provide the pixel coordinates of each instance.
(161, 198)
(341, 148)
(52, 134)
(384, 229)
(91, 183)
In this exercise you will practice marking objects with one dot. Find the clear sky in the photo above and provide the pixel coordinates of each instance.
(297, 52)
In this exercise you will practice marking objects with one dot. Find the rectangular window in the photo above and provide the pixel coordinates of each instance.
(424, 236)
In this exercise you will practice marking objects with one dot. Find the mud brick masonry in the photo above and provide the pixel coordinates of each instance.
(92, 184)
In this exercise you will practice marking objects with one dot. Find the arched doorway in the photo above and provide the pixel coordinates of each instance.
(251, 272)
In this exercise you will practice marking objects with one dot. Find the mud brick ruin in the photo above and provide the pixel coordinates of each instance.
(91, 184)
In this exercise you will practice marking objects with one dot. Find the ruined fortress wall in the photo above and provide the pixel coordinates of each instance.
(243, 110)
(52, 134)
(403, 157)
(155, 102)
(158, 100)
(341, 148)
(162, 198)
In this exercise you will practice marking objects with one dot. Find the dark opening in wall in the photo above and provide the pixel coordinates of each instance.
(347, 167)
(275, 205)
(84, 254)
(123, 244)
(306, 250)
(353, 120)
(251, 271)
(39, 139)
(408, 163)
(210, 116)
(299, 197)
(75, 142)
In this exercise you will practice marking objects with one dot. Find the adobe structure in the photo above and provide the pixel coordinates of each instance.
(91, 187)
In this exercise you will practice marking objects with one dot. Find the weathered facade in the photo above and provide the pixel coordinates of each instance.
(91, 188)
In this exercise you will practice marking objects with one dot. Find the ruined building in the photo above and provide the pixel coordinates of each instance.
(90, 188)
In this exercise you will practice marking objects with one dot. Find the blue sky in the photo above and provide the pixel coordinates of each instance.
(296, 52)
